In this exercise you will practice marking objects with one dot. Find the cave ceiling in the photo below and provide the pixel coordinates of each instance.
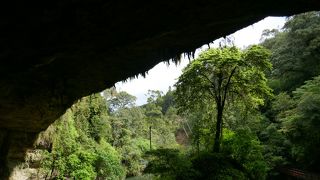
(55, 52)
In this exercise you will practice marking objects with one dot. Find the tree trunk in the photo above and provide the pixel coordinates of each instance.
(150, 137)
(216, 147)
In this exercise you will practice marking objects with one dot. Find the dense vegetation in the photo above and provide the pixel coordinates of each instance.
(230, 116)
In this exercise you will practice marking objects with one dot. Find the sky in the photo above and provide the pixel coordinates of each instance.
(161, 76)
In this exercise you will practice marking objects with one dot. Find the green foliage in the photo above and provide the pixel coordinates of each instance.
(118, 100)
(79, 165)
(217, 166)
(170, 164)
(108, 162)
(202, 129)
(221, 77)
(246, 149)
(240, 72)
(79, 150)
(241, 158)
(132, 156)
(168, 101)
(91, 117)
(130, 127)
(289, 130)
(295, 51)
(67, 159)
(302, 124)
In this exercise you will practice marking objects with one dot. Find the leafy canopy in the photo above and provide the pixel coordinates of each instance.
(295, 51)
(224, 75)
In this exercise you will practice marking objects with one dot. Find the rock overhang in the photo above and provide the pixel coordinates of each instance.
(54, 53)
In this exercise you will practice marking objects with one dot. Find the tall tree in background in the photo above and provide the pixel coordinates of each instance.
(118, 100)
(295, 51)
(221, 76)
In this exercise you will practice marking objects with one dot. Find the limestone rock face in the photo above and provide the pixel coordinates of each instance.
(54, 52)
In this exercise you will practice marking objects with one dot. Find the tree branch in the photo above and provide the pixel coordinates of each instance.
(214, 94)
(227, 85)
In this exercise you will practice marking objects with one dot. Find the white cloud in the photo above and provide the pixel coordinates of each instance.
(252, 33)
(162, 75)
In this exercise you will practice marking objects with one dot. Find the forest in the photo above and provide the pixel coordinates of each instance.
(234, 113)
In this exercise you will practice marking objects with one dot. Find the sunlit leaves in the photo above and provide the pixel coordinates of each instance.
(226, 73)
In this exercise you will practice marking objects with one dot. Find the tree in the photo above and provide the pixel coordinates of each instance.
(295, 51)
(301, 124)
(162, 127)
(79, 147)
(118, 100)
(224, 75)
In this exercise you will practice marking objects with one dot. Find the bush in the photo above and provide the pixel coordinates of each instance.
(170, 164)
(244, 147)
(108, 165)
(217, 166)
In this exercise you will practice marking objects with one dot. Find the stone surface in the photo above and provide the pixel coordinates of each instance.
(54, 52)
